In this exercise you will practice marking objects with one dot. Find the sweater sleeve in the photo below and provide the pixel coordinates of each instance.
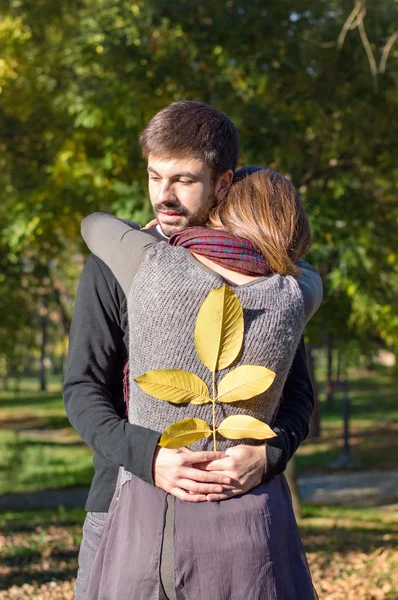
(293, 417)
(297, 402)
(119, 244)
(310, 283)
(94, 363)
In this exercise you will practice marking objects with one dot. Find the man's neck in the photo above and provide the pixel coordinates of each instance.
(159, 230)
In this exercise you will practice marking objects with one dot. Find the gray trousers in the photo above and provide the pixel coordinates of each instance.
(92, 531)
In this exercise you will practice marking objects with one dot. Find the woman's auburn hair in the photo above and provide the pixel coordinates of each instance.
(264, 207)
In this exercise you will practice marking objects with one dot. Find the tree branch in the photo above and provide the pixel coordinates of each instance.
(349, 23)
(386, 52)
(368, 49)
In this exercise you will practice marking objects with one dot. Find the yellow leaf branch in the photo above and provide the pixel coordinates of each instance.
(219, 335)
(174, 385)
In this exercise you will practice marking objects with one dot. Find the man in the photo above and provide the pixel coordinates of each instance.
(192, 151)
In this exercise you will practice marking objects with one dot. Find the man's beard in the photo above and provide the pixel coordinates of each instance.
(184, 218)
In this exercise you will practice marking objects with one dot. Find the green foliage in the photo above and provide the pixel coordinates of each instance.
(80, 80)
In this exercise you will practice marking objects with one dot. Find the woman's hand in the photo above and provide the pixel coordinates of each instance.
(174, 472)
(245, 466)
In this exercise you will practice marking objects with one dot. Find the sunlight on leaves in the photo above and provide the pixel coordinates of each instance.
(219, 329)
(239, 427)
(184, 432)
(218, 339)
(174, 386)
(244, 383)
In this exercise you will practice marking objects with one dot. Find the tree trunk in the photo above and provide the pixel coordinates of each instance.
(329, 387)
(18, 379)
(338, 370)
(64, 317)
(315, 424)
(5, 381)
(43, 348)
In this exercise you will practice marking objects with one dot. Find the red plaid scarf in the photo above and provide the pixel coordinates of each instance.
(223, 248)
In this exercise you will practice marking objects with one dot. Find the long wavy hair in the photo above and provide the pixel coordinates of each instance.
(264, 207)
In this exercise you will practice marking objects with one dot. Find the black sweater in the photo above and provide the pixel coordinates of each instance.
(93, 391)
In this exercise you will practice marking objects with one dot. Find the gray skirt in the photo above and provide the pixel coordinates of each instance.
(156, 547)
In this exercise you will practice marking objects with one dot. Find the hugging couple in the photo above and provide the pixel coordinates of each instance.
(193, 522)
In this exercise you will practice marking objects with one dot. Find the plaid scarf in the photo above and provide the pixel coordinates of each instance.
(223, 248)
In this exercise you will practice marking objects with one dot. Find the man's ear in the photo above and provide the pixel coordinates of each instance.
(223, 184)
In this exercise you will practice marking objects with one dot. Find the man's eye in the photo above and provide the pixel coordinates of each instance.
(154, 178)
(185, 181)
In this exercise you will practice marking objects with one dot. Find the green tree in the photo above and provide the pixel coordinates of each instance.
(311, 87)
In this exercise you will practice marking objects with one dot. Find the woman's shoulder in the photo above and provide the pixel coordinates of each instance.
(310, 283)
(161, 249)
(302, 292)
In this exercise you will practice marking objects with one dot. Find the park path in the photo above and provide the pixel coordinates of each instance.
(351, 489)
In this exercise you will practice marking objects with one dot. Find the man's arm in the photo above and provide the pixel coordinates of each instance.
(96, 357)
(94, 363)
(293, 417)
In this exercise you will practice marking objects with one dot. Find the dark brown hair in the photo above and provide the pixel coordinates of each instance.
(264, 207)
(187, 129)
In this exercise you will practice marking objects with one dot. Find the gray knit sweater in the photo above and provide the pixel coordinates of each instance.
(164, 302)
(166, 286)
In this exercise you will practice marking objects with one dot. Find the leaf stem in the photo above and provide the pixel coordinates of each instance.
(214, 410)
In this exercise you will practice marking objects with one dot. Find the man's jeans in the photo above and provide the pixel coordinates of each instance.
(92, 531)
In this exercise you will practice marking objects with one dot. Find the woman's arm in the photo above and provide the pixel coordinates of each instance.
(118, 243)
(310, 283)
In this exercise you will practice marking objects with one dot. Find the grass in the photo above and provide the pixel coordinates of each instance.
(352, 553)
(373, 427)
(39, 450)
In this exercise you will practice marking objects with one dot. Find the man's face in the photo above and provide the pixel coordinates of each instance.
(181, 192)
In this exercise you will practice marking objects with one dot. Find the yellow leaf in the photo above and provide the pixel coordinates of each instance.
(174, 386)
(244, 382)
(184, 433)
(219, 329)
(239, 427)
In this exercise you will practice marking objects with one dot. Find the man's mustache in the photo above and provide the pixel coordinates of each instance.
(170, 207)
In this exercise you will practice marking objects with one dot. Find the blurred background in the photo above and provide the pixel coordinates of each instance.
(312, 88)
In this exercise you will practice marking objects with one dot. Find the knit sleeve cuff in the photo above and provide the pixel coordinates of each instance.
(276, 459)
(140, 462)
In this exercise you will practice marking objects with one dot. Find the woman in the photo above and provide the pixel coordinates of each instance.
(249, 546)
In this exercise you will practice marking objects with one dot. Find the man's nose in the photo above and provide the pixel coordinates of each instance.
(165, 192)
